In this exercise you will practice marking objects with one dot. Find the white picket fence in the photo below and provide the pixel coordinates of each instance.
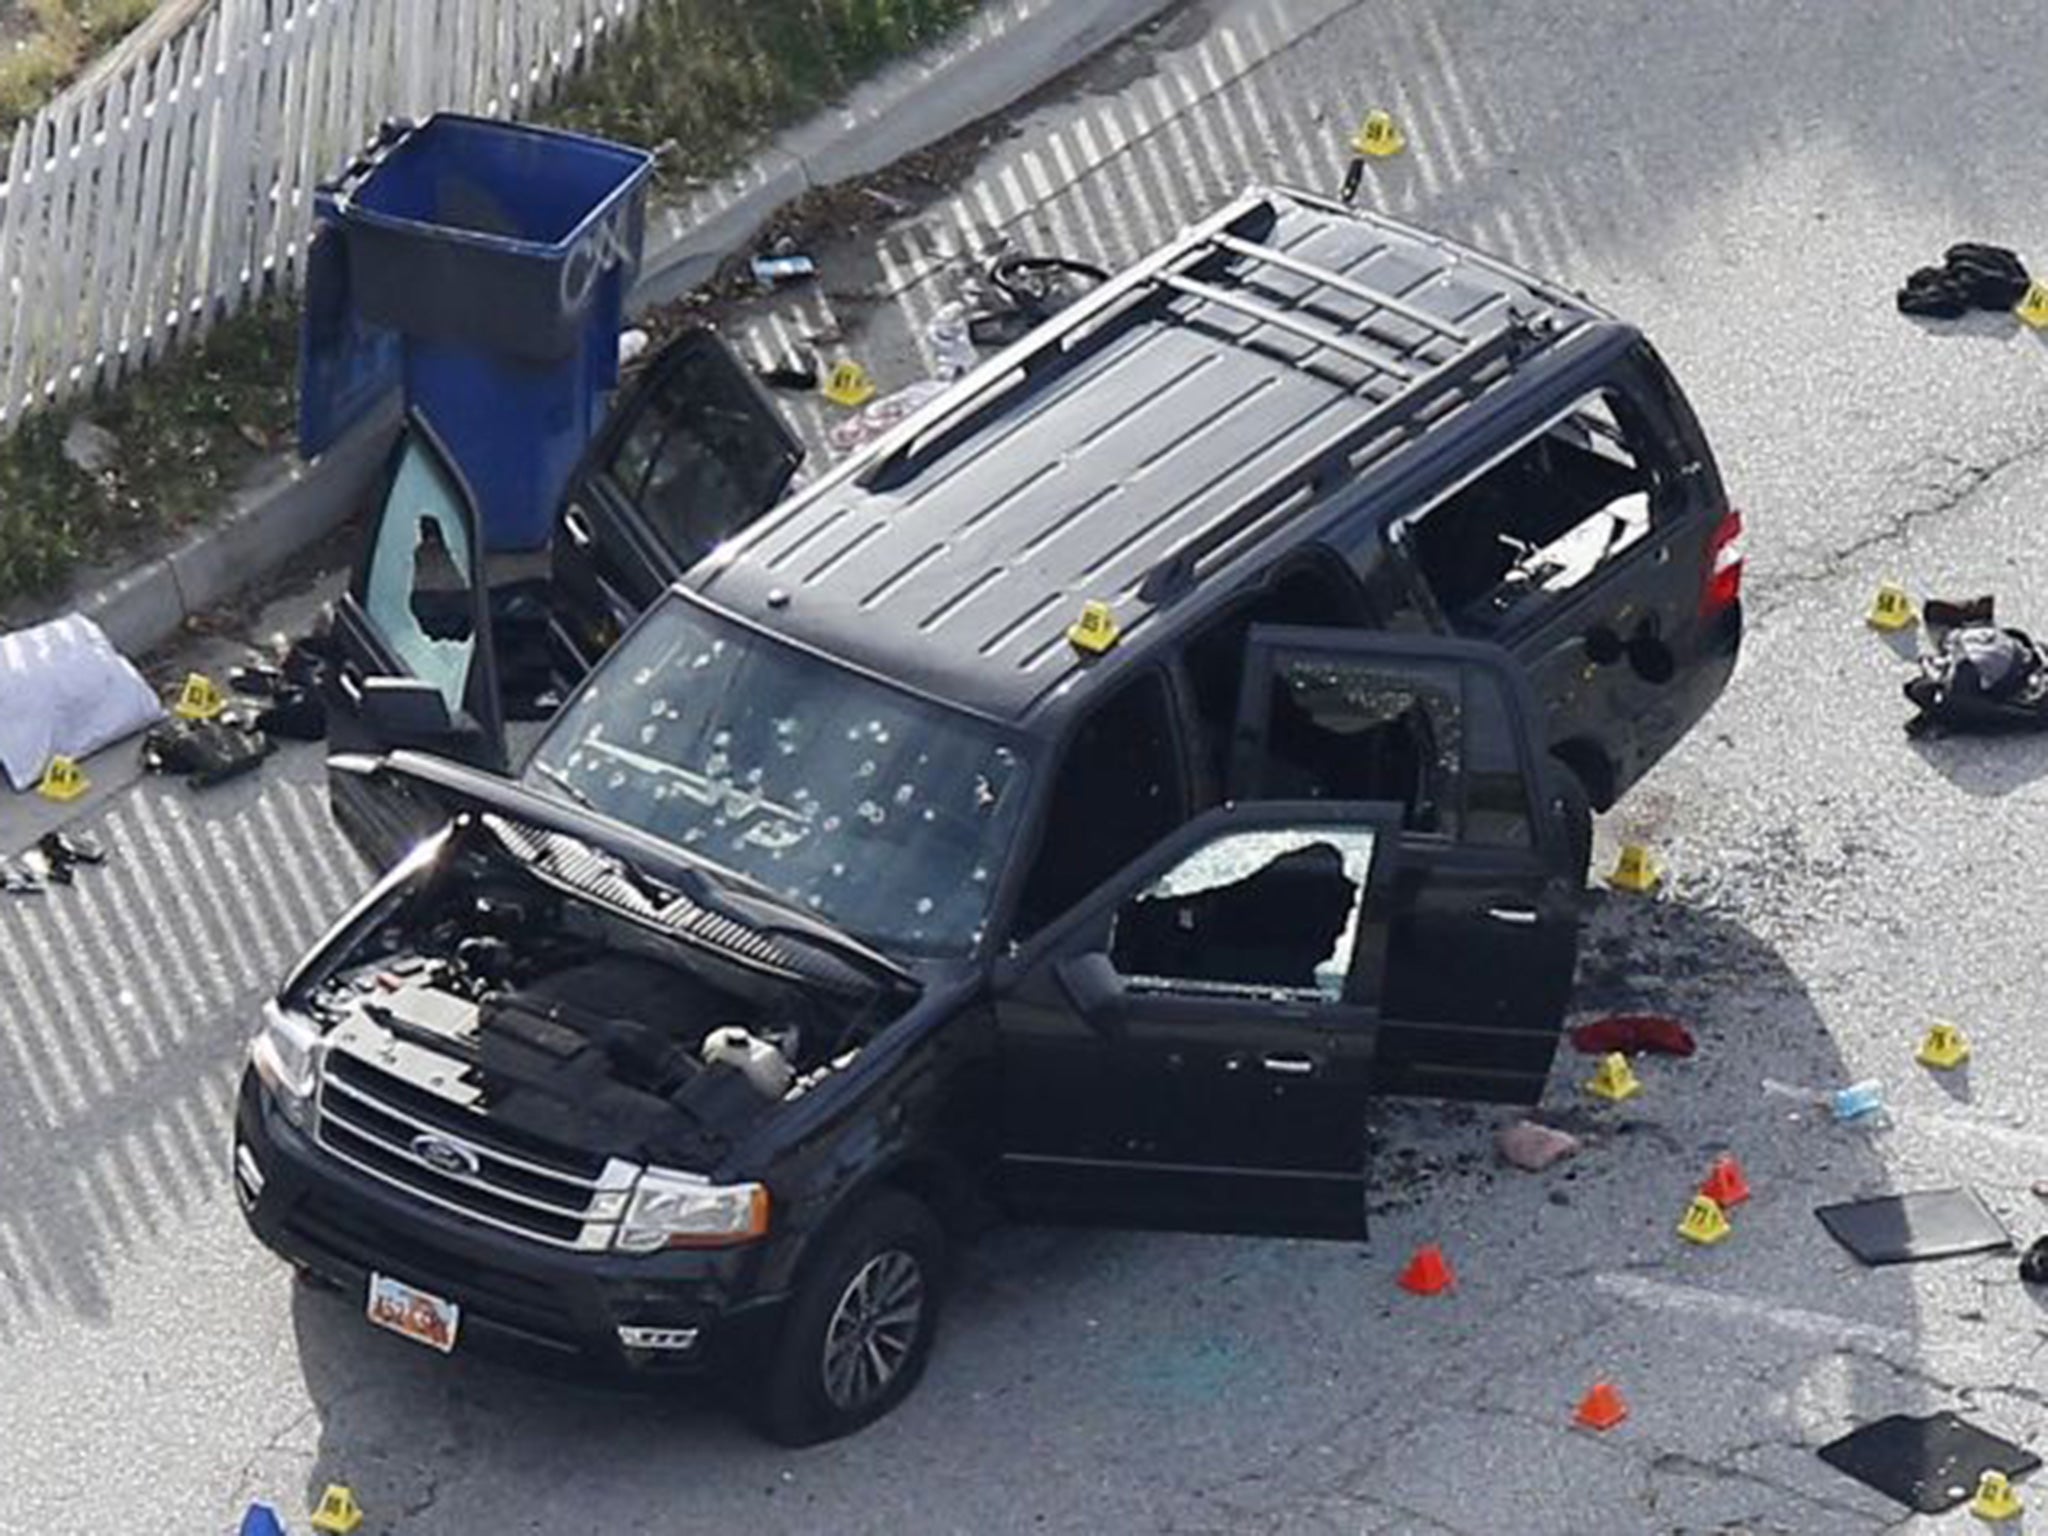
(175, 182)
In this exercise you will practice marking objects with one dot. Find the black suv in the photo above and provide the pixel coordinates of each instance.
(1076, 806)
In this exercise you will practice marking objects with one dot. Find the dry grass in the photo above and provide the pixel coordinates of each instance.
(45, 43)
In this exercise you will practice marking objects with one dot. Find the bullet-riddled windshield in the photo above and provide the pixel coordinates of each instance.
(886, 815)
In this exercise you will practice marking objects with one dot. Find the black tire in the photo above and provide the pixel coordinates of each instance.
(888, 1257)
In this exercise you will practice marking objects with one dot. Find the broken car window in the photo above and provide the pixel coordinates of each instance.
(1341, 729)
(418, 588)
(1539, 522)
(1265, 910)
(884, 814)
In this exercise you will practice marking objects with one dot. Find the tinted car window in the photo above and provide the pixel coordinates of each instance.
(1118, 792)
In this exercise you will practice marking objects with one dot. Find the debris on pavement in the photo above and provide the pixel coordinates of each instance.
(1614, 1079)
(260, 1520)
(65, 691)
(206, 752)
(1601, 1408)
(1944, 1047)
(1924, 1224)
(1533, 1147)
(1024, 292)
(1428, 1273)
(773, 271)
(952, 341)
(2034, 1262)
(1928, 1464)
(800, 377)
(1634, 1032)
(1971, 276)
(1980, 680)
(1961, 612)
(885, 413)
(1725, 1183)
(1859, 1101)
(1704, 1222)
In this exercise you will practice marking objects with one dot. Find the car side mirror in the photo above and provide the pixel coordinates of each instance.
(398, 709)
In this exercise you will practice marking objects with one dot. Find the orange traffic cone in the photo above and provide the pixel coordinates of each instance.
(1725, 1185)
(1601, 1407)
(1428, 1272)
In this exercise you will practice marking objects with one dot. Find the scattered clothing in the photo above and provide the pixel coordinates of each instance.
(1959, 612)
(1980, 680)
(65, 692)
(1631, 1033)
(206, 752)
(68, 848)
(1533, 1147)
(1972, 276)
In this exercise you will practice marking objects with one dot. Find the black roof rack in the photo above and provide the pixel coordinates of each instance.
(1182, 413)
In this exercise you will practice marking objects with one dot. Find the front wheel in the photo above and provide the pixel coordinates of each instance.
(860, 1327)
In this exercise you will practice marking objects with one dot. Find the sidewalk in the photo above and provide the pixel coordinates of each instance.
(1012, 49)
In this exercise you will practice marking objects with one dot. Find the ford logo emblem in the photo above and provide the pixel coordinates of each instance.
(446, 1155)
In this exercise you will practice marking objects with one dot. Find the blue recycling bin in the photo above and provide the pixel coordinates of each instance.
(499, 256)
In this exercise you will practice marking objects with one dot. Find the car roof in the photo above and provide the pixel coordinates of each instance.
(1152, 442)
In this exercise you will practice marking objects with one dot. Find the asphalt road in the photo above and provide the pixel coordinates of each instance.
(1749, 181)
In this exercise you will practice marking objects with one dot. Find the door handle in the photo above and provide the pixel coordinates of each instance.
(1288, 1066)
(1520, 917)
(577, 526)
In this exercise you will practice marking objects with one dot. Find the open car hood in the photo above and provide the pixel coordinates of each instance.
(459, 788)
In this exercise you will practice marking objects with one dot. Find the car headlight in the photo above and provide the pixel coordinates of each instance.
(283, 1054)
(682, 1210)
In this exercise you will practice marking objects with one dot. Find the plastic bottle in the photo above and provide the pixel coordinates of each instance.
(764, 1066)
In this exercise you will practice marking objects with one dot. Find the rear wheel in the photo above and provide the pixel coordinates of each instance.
(860, 1327)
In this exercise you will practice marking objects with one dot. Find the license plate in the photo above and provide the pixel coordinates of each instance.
(420, 1315)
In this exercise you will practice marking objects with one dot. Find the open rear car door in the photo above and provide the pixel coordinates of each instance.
(693, 452)
(413, 665)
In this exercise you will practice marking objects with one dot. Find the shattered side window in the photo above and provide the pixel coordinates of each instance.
(1264, 910)
(1339, 728)
(885, 814)
(419, 586)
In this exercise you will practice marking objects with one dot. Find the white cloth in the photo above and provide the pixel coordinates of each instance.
(65, 690)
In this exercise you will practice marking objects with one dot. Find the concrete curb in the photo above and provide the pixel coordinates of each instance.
(1012, 49)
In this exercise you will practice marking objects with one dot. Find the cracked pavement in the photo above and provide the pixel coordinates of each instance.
(1750, 183)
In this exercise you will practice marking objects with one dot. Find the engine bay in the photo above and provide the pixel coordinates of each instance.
(566, 1023)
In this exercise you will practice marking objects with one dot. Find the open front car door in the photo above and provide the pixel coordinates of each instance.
(1192, 1047)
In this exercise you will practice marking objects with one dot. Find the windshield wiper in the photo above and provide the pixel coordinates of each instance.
(716, 886)
(559, 777)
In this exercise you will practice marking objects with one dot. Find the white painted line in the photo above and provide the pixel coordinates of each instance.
(1663, 1296)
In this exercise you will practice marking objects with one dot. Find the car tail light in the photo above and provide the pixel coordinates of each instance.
(1722, 587)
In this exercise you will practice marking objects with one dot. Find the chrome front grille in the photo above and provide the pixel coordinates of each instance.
(377, 1123)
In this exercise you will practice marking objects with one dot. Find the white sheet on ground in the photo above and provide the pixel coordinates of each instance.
(65, 690)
